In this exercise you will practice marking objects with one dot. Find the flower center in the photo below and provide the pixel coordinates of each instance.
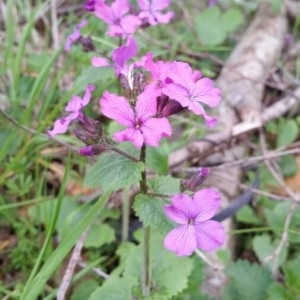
(191, 221)
(138, 123)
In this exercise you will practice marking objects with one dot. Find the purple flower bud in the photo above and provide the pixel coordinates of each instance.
(195, 181)
(171, 108)
(92, 150)
(89, 5)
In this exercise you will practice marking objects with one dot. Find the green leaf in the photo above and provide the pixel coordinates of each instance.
(208, 27)
(84, 289)
(264, 247)
(92, 75)
(232, 19)
(246, 215)
(114, 288)
(213, 26)
(276, 291)
(157, 158)
(99, 235)
(288, 131)
(292, 277)
(55, 259)
(288, 165)
(150, 212)
(166, 185)
(247, 281)
(113, 170)
(165, 283)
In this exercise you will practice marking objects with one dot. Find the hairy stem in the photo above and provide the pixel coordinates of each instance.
(146, 249)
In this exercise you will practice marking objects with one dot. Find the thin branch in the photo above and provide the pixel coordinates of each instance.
(249, 160)
(97, 271)
(75, 258)
(296, 198)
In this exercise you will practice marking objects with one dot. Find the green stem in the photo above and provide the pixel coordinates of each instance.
(125, 214)
(146, 248)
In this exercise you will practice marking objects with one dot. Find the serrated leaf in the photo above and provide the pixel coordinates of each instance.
(264, 247)
(166, 185)
(150, 212)
(113, 170)
(99, 235)
(114, 288)
(247, 281)
(165, 284)
(288, 131)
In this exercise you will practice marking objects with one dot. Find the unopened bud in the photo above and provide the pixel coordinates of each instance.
(171, 108)
(92, 150)
(195, 181)
(89, 5)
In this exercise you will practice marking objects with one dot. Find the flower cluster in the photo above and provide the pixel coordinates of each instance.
(153, 91)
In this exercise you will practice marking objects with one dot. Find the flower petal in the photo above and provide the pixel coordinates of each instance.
(131, 135)
(182, 74)
(185, 205)
(160, 4)
(117, 108)
(130, 23)
(163, 18)
(61, 125)
(206, 92)
(197, 108)
(104, 12)
(147, 101)
(210, 235)
(208, 202)
(143, 4)
(99, 62)
(154, 129)
(181, 240)
(122, 54)
(178, 93)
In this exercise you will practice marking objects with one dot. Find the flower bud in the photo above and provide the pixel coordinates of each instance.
(195, 181)
(92, 150)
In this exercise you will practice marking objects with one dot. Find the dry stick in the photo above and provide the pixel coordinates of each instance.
(296, 198)
(34, 132)
(97, 271)
(75, 257)
(54, 27)
(248, 161)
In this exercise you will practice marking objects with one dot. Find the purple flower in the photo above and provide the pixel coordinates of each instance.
(89, 5)
(116, 16)
(120, 57)
(195, 229)
(74, 108)
(190, 89)
(150, 10)
(75, 35)
(142, 127)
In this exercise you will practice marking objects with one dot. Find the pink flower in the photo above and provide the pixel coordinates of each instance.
(150, 10)
(142, 127)
(120, 57)
(190, 89)
(195, 229)
(75, 35)
(116, 16)
(74, 108)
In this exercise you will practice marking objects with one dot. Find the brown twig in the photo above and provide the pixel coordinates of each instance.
(75, 258)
